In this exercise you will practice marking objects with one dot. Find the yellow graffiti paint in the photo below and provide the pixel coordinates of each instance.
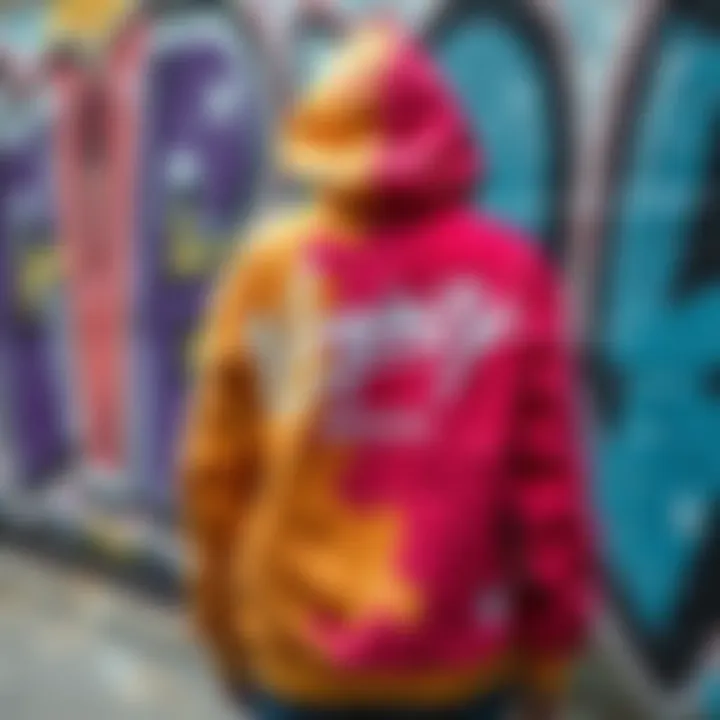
(39, 273)
(87, 20)
(191, 253)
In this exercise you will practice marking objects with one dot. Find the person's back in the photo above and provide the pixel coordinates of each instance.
(380, 473)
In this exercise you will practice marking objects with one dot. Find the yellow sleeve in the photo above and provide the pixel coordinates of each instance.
(218, 458)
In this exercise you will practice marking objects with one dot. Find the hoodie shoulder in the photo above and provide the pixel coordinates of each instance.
(264, 254)
(274, 235)
(511, 249)
(519, 245)
(271, 241)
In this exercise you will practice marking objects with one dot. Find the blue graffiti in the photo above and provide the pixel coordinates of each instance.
(501, 104)
(658, 465)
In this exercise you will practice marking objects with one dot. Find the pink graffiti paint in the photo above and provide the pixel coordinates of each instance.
(96, 146)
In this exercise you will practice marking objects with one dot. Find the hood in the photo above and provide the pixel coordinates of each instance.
(381, 130)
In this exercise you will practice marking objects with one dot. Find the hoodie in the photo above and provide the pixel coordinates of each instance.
(381, 472)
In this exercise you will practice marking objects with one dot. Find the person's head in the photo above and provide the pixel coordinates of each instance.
(380, 130)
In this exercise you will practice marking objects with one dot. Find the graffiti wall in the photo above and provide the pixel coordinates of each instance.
(600, 127)
(655, 356)
(32, 376)
(199, 173)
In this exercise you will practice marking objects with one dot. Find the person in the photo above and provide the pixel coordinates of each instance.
(382, 472)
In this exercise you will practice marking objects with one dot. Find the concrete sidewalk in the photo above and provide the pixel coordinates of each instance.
(72, 647)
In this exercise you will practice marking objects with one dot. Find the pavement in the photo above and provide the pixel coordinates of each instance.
(75, 647)
(76, 644)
